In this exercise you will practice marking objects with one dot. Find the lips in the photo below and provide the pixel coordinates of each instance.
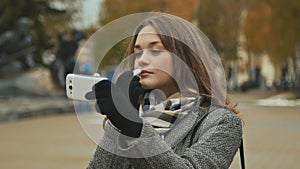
(145, 73)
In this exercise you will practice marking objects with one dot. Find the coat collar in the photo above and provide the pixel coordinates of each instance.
(182, 128)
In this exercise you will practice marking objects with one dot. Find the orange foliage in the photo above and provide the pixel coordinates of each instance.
(185, 9)
(258, 27)
(113, 9)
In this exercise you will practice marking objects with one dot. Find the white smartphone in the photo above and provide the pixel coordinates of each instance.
(78, 85)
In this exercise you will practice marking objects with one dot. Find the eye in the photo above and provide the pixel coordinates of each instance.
(155, 52)
(138, 54)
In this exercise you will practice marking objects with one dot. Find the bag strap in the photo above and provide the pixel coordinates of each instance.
(242, 157)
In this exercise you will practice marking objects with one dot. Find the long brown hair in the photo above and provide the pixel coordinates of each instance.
(187, 42)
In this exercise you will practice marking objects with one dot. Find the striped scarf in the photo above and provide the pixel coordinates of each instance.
(163, 114)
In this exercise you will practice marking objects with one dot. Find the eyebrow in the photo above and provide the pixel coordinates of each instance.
(150, 45)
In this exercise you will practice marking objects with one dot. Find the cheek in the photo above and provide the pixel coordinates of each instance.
(165, 79)
(159, 80)
(169, 68)
(164, 65)
(135, 65)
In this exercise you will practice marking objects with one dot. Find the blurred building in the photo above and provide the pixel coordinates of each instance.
(251, 69)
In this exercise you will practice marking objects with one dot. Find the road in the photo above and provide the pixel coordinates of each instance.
(56, 142)
(271, 133)
(271, 136)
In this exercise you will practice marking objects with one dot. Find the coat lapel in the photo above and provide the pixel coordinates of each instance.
(182, 128)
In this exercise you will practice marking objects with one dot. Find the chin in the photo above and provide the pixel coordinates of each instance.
(148, 84)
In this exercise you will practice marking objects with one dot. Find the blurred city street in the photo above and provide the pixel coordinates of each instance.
(271, 137)
(41, 42)
(271, 133)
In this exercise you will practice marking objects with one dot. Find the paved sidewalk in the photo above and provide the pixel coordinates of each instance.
(15, 108)
(271, 133)
(271, 137)
(46, 142)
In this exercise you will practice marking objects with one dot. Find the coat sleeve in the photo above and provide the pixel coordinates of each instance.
(107, 160)
(105, 156)
(217, 142)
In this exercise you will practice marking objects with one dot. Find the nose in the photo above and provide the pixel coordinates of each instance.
(143, 61)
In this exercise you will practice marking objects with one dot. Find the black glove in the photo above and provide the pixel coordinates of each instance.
(115, 104)
(131, 86)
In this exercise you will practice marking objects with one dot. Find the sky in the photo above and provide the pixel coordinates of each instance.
(90, 12)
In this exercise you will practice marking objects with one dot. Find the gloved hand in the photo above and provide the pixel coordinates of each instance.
(131, 86)
(119, 102)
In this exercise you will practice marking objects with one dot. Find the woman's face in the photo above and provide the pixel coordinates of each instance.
(155, 62)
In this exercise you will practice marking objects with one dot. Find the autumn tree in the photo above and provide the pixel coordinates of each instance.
(114, 9)
(258, 26)
(48, 18)
(272, 26)
(220, 21)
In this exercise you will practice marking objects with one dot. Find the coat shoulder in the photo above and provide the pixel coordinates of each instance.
(222, 115)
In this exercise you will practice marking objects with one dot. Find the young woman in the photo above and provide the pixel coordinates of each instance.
(175, 113)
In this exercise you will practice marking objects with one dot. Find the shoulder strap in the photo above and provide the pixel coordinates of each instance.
(242, 157)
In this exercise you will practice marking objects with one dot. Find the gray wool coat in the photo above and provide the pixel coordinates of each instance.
(202, 140)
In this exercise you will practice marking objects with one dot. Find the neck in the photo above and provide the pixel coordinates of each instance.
(170, 90)
(174, 95)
